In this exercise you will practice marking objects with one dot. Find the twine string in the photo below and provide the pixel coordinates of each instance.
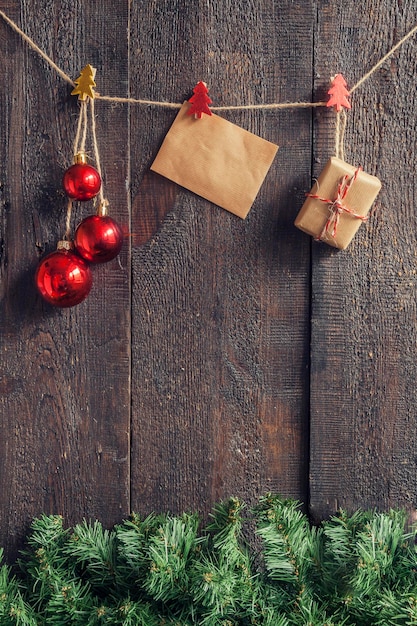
(337, 205)
(84, 114)
(78, 133)
(384, 58)
(36, 48)
(337, 136)
(95, 147)
(341, 121)
(238, 107)
(67, 234)
(175, 105)
(79, 146)
(81, 134)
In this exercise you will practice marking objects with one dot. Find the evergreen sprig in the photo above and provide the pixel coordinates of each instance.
(165, 570)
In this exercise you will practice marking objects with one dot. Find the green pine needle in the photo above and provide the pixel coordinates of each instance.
(94, 550)
(164, 570)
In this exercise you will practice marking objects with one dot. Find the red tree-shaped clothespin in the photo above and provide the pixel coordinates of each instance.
(200, 101)
(338, 94)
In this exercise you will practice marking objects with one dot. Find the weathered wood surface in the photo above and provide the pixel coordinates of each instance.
(64, 416)
(184, 377)
(220, 331)
(363, 392)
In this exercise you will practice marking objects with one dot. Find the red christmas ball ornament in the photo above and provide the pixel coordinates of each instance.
(63, 278)
(81, 181)
(98, 238)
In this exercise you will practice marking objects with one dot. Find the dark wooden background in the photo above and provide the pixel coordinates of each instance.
(216, 356)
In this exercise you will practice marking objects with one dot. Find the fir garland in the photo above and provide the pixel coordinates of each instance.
(162, 570)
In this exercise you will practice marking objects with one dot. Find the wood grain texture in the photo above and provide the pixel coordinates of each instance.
(184, 377)
(220, 322)
(64, 374)
(363, 393)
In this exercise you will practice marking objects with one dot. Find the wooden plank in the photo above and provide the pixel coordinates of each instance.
(64, 416)
(220, 306)
(363, 393)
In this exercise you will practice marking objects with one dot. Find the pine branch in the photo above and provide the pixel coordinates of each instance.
(353, 570)
(13, 608)
(291, 546)
(44, 564)
(133, 551)
(171, 553)
(93, 550)
(129, 613)
(223, 581)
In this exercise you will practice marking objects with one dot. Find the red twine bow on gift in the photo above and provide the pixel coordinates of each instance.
(336, 206)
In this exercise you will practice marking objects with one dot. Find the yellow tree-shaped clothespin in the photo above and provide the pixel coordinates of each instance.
(85, 83)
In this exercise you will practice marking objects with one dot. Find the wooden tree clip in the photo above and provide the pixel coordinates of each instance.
(200, 101)
(85, 83)
(339, 94)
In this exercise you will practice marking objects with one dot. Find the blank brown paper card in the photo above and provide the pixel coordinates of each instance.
(215, 159)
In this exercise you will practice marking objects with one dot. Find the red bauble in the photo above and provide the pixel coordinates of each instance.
(63, 278)
(98, 238)
(81, 181)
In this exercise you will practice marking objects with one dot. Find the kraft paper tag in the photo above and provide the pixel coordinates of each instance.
(215, 159)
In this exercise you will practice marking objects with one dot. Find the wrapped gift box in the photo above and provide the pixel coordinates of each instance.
(338, 203)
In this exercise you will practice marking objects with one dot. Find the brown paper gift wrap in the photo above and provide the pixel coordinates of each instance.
(344, 196)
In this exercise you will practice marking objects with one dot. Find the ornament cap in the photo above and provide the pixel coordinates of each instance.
(103, 208)
(64, 245)
(80, 157)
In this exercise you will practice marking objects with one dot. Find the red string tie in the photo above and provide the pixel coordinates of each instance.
(337, 206)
